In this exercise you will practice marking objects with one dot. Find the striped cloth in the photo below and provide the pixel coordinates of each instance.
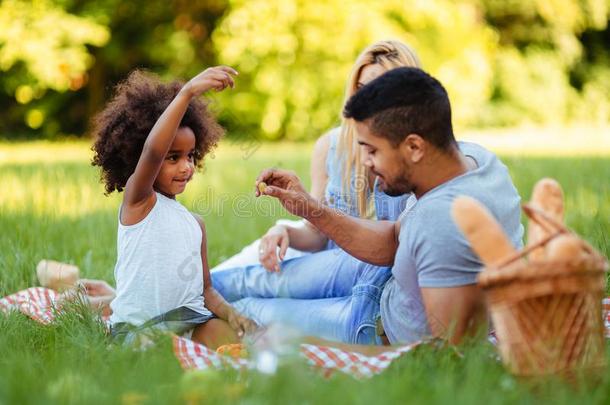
(331, 359)
(606, 311)
(39, 304)
(195, 356)
(192, 355)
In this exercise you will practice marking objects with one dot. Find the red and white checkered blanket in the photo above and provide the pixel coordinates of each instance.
(39, 304)
(192, 355)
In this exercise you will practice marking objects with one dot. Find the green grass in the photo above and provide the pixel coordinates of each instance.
(52, 206)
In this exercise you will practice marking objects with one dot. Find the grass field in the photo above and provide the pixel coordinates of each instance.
(52, 206)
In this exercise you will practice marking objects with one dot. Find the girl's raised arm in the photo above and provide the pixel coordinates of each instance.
(139, 187)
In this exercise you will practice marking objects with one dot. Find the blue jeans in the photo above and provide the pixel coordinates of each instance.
(328, 294)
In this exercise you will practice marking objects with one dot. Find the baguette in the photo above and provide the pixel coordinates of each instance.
(548, 197)
(483, 232)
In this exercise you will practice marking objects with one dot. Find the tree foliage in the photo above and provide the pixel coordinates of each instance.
(295, 56)
(170, 38)
(551, 65)
(43, 47)
(504, 62)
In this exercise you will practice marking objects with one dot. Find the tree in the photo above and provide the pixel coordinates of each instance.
(42, 47)
(170, 38)
(504, 62)
(551, 65)
(294, 56)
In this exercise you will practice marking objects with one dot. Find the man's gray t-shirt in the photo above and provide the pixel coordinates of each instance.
(432, 252)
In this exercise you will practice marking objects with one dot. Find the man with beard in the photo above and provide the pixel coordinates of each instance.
(403, 123)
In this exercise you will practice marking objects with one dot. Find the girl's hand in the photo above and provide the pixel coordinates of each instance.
(240, 323)
(276, 236)
(217, 78)
(97, 288)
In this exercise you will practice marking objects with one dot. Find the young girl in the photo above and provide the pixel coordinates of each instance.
(150, 139)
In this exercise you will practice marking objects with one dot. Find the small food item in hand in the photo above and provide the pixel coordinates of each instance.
(261, 187)
(547, 196)
(565, 247)
(235, 350)
(57, 276)
(480, 228)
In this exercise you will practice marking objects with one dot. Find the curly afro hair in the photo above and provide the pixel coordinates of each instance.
(123, 126)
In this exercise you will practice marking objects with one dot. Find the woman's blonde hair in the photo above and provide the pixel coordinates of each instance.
(388, 54)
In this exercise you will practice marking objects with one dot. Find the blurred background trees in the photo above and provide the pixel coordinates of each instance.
(504, 62)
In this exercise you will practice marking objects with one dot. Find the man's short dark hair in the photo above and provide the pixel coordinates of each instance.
(404, 101)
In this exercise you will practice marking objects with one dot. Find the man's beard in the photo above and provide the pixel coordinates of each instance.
(398, 187)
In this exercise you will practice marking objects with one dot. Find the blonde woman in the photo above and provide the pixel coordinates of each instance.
(272, 290)
(337, 175)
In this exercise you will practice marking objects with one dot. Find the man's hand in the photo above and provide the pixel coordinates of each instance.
(374, 242)
(240, 323)
(276, 236)
(286, 187)
(217, 78)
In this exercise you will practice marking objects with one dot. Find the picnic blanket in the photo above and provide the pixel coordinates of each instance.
(40, 304)
(192, 355)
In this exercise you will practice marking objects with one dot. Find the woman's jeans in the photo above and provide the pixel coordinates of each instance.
(328, 294)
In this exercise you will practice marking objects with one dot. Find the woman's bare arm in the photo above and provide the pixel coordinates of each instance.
(319, 175)
(306, 238)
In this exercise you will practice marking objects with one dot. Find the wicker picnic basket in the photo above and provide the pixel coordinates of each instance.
(547, 314)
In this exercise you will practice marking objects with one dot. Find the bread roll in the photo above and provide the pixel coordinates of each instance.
(486, 237)
(261, 187)
(565, 247)
(548, 197)
(235, 350)
(57, 276)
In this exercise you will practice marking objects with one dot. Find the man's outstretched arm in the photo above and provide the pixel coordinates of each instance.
(374, 242)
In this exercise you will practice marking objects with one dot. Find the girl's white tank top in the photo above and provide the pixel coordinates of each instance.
(158, 265)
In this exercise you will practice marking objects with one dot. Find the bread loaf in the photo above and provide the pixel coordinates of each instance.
(486, 237)
(57, 276)
(565, 247)
(547, 196)
(235, 350)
